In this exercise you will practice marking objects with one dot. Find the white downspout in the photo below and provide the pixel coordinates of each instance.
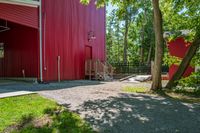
(41, 40)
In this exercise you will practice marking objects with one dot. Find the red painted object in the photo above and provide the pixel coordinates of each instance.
(179, 48)
(165, 77)
(28, 16)
(69, 29)
(174, 68)
(21, 51)
(67, 25)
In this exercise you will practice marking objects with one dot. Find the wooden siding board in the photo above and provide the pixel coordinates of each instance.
(67, 25)
(24, 15)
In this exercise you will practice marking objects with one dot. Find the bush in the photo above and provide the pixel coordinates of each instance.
(191, 81)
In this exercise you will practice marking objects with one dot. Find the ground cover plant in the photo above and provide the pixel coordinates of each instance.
(35, 114)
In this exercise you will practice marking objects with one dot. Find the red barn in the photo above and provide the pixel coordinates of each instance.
(49, 39)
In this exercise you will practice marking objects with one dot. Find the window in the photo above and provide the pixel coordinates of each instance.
(1, 50)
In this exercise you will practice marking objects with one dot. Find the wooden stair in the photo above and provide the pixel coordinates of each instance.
(98, 70)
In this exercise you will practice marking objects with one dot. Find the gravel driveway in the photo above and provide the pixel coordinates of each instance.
(109, 110)
(78, 95)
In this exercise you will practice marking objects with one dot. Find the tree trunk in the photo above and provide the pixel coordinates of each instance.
(126, 41)
(150, 54)
(118, 43)
(184, 64)
(142, 46)
(157, 84)
(143, 37)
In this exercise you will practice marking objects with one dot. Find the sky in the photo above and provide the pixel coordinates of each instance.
(109, 8)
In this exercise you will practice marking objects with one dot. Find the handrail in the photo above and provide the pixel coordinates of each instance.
(98, 69)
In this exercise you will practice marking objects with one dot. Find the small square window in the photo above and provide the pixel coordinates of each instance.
(1, 50)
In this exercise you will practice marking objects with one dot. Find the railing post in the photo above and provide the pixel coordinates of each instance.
(86, 64)
(90, 70)
(58, 68)
(96, 69)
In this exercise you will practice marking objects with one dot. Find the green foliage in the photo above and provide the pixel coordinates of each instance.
(64, 122)
(191, 81)
(181, 15)
(140, 29)
(170, 60)
(13, 109)
(196, 59)
(20, 112)
(194, 79)
(176, 34)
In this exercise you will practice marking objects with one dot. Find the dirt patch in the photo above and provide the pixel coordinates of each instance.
(41, 122)
(29, 121)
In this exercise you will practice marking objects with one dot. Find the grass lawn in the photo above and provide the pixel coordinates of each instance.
(35, 114)
(187, 96)
(135, 89)
(184, 95)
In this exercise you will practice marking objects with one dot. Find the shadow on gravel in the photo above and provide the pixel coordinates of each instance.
(138, 113)
(23, 86)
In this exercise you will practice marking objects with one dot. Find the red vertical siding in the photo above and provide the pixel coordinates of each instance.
(179, 48)
(66, 27)
(23, 15)
(21, 51)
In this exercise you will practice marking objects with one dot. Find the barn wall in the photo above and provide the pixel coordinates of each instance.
(66, 27)
(24, 15)
(21, 51)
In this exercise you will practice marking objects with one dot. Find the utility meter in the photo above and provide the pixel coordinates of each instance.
(1, 50)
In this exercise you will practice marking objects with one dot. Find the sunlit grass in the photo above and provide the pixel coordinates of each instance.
(14, 108)
(17, 115)
(188, 96)
(182, 97)
(135, 89)
(184, 94)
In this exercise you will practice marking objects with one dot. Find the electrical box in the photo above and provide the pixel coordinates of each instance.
(1, 50)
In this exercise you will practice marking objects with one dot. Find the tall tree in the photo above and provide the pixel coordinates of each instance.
(126, 11)
(159, 36)
(126, 40)
(157, 84)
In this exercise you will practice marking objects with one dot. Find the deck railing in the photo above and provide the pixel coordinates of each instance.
(132, 68)
(99, 70)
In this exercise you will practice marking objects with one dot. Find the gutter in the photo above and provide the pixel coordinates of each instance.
(40, 41)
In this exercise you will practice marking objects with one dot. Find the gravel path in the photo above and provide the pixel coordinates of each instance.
(78, 95)
(109, 110)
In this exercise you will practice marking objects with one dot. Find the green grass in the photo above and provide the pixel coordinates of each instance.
(188, 95)
(135, 89)
(22, 111)
(14, 108)
(183, 95)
